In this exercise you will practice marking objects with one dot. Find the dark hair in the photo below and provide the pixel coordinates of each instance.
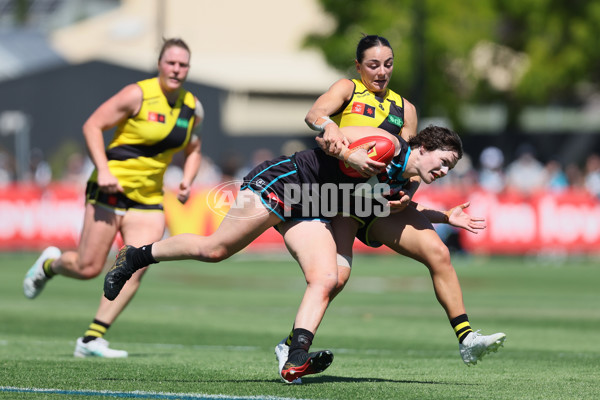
(437, 138)
(369, 41)
(177, 42)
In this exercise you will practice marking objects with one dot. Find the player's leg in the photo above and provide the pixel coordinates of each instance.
(99, 230)
(410, 233)
(311, 244)
(137, 228)
(244, 222)
(344, 232)
(100, 227)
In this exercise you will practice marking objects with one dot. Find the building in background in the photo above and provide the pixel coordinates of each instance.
(249, 69)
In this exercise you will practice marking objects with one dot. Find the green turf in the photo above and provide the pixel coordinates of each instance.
(211, 329)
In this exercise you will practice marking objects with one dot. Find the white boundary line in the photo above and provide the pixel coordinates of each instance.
(141, 394)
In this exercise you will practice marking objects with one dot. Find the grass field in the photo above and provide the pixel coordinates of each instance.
(208, 331)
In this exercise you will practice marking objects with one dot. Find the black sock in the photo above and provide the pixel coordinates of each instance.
(96, 330)
(461, 327)
(301, 341)
(142, 256)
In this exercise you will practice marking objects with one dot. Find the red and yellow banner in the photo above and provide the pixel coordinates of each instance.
(32, 218)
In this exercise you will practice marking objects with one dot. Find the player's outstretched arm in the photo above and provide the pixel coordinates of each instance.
(456, 216)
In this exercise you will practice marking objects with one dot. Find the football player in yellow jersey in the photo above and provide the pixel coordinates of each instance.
(408, 230)
(154, 119)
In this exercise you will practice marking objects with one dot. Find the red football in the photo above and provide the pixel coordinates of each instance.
(383, 151)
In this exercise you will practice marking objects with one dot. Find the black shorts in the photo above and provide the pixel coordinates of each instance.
(272, 180)
(117, 202)
(366, 223)
(363, 231)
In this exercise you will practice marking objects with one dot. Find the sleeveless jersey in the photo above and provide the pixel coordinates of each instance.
(144, 144)
(366, 109)
(306, 185)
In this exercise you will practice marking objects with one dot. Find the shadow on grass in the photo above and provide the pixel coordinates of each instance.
(334, 379)
(306, 380)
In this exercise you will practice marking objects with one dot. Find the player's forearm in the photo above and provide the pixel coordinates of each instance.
(434, 216)
(95, 145)
(193, 159)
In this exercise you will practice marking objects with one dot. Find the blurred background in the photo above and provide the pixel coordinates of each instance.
(518, 79)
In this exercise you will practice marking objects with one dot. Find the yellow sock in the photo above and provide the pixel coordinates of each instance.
(48, 268)
(461, 327)
(97, 329)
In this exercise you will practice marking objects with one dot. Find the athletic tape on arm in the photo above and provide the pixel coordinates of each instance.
(324, 121)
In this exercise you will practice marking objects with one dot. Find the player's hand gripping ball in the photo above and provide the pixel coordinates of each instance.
(383, 151)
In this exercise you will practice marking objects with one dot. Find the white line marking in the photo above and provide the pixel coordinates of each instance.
(141, 395)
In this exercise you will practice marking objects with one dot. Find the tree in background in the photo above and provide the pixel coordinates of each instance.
(508, 52)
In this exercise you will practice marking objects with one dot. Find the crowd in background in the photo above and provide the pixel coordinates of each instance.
(524, 174)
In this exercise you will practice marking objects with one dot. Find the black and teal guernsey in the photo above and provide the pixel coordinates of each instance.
(317, 175)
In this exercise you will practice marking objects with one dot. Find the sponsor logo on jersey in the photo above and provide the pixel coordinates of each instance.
(363, 109)
(395, 120)
(182, 123)
(156, 117)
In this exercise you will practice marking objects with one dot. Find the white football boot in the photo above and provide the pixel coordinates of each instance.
(36, 279)
(281, 352)
(475, 346)
(97, 348)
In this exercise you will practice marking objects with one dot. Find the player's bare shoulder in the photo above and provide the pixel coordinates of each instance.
(343, 87)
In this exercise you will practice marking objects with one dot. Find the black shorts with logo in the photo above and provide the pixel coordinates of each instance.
(115, 201)
(272, 181)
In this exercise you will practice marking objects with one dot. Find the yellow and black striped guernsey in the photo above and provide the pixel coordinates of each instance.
(366, 109)
(143, 145)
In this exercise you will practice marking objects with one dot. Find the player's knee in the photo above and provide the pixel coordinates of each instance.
(215, 254)
(327, 283)
(438, 254)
